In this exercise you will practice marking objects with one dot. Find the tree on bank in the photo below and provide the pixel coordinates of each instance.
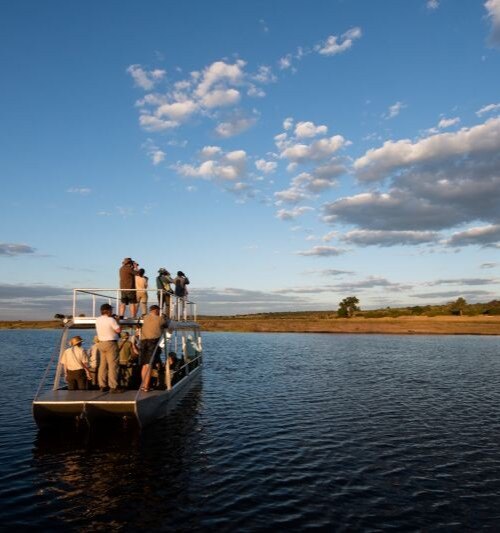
(458, 307)
(347, 307)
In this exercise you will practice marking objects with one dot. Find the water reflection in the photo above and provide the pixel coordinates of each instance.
(113, 478)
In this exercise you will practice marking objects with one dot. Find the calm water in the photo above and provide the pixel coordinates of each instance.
(286, 431)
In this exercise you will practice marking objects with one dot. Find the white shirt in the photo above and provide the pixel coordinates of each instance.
(74, 358)
(107, 328)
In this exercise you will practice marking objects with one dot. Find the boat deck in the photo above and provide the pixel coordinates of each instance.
(94, 396)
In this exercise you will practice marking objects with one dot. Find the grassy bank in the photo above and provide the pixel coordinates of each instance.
(327, 323)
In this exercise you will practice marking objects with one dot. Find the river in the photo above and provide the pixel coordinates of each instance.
(285, 432)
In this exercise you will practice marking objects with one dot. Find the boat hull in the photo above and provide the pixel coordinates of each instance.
(93, 407)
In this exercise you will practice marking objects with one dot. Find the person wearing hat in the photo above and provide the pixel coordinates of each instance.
(76, 365)
(181, 292)
(163, 282)
(127, 272)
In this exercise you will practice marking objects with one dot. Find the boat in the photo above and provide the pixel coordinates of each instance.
(55, 405)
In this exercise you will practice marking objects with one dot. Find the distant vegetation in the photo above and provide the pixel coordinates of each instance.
(348, 307)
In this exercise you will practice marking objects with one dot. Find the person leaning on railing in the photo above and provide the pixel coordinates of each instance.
(151, 331)
(163, 281)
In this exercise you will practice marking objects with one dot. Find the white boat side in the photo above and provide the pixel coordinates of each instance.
(59, 405)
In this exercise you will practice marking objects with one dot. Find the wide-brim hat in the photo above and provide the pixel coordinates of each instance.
(76, 340)
(127, 260)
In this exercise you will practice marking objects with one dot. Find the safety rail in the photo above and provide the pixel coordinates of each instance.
(175, 307)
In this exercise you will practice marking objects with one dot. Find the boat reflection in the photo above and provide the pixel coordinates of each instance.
(118, 477)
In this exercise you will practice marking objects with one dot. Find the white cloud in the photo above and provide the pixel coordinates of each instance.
(301, 153)
(380, 162)
(448, 122)
(389, 238)
(322, 251)
(221, 98)
(493, 9)
(178, 111)
(432, 4)
(228, 167)
(151, 123)
(266, 167)
(292, 214)
(488, 109)
(285, 62)
(234, 126)
(220, 72)
(154, 152)
(336, 45)
(265, 75)
(209, 152)
(394, 110)
(288, 123)
(309, 129)
(145, 79)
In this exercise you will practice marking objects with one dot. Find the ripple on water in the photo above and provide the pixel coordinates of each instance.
(286, 431)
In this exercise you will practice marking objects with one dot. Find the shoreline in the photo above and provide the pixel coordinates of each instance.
(405, 325)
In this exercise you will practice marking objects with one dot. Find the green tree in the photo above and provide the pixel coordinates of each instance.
(458, 307)
(347, 307)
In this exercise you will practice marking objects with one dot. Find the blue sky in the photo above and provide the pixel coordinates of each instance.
(283, 155)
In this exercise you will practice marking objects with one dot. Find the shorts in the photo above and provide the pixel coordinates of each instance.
(147, 349)
(128, 297)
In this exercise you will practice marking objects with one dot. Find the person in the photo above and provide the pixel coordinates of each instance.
(128, 271)
(127, 356)
(163, 281)
(108, 331)
(152, 329)
(94, 358)
(193, 350)
(141, 284)
(175, 366)
(76, 365)
(181, 291)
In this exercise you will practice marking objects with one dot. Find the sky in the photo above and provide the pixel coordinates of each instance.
(283, 154)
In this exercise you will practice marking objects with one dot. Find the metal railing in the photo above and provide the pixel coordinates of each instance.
(177, 308)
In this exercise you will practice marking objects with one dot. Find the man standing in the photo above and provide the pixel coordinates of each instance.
(76, 365)
(163, 282)
(107, 330)
(152, 329)
(128, 271)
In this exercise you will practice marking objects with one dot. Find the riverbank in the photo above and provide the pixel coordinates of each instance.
(321, 323)
(423, 325)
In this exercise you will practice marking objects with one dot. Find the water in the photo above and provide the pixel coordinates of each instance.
(286, 431)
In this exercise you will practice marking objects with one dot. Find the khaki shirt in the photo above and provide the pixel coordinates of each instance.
(153, 326)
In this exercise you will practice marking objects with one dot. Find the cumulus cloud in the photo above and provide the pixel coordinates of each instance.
(309, 129)
(9, 249)
(266, 167)
(145, 79)
(322, 251)
(234, 126)
(316, 151)
(225, 166)
(292, 214)
(488, 236)
(336, 45)
(378, 163)
(389, 238)
(493, 10)
(488, 109)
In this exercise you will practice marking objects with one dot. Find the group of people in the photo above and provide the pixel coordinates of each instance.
(118, 361)
(134, 288)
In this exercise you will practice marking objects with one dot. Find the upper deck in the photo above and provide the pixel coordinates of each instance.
(87, 303)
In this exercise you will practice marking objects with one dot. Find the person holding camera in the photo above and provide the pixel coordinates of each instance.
(128, 271)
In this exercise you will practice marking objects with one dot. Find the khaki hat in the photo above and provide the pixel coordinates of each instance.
(76, 340)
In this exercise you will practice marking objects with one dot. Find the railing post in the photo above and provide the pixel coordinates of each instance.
(168, 377)
(74, 302)
(62, 347)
